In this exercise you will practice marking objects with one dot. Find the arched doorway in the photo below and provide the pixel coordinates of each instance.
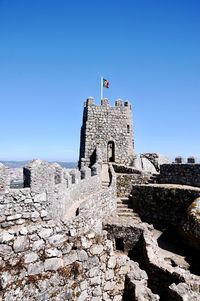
(111, 151)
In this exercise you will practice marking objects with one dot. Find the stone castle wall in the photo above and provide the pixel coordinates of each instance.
(53, 245)
(44, 262)
(104, 124)
(165, 205)
(65, 260)
(185, 174)
(170, 205)
(52, 191)
(127, 176)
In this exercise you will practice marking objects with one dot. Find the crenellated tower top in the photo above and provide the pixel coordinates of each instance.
(108, 129)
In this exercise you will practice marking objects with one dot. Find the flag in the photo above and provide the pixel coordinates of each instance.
(106, 83)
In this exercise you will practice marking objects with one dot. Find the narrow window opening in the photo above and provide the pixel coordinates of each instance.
(111, 151)
(119, 244)
(128, 128)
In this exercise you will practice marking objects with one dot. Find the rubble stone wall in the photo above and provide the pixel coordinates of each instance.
(126, 176)
(125, 183)
(20, 206)
(185, 174)
(59, 190)
(44, 262)
(65, 260)
(164, 205)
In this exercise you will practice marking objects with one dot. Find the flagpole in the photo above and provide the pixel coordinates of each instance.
(101, 87)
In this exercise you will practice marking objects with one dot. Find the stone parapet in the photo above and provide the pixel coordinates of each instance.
(20, 206)
(39, 176)
(184, 174)
(164, 205)
(170, 205)
(52, 191)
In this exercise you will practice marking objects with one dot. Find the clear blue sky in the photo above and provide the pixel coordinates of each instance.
(53, 52)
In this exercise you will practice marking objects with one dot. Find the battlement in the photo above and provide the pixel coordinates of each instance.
(189, 160)
(105, 102)
(49, 191)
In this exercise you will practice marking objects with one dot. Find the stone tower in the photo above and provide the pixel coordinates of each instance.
(106, 133)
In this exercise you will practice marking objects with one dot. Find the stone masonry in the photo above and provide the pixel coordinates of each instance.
(108, 129)
(64, 237)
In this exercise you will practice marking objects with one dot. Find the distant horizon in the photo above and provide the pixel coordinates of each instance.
(171, 158)
(37, 159)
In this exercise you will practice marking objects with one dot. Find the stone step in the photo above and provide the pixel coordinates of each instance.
(128, 205)
(125, 201)
(130, 211)
(124, 206)
(120, 210)
(127, 214)
(124, 198)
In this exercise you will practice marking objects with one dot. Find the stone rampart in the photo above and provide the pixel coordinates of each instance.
(52, 191)
(94, 209)
(185, 174)
(163, 204)
(52, 259)
(170, 205)
(127, 176)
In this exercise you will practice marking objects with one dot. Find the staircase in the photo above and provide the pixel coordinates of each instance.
(125, 209)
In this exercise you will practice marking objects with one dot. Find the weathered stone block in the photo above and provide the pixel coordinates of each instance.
(13, 217)
(57, 239)
(5, 237)
(96, 249)
(5, 250)
(70, 258)
(21, 244)
(35, 268)
(53, 252)
(5, 279)
(53, 264)
(30, 257)
(45, 233)
(38, 245)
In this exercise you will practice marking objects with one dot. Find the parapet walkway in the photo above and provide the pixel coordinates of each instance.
(72, 212)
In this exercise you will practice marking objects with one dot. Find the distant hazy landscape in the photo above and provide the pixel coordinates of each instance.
(19, 164)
